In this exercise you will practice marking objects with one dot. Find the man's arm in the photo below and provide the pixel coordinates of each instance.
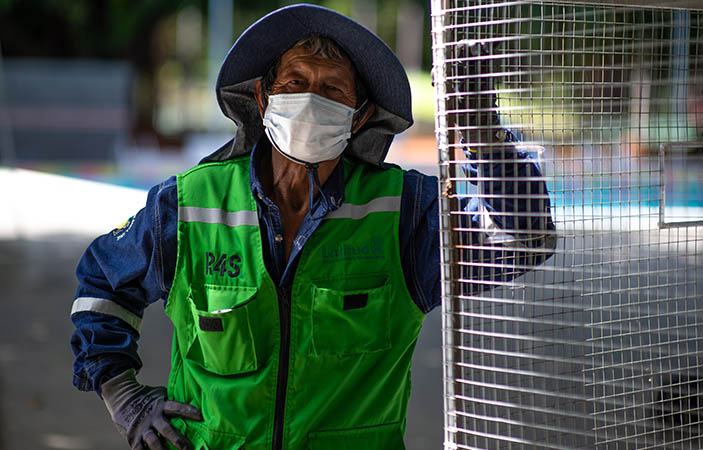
(120, 274)
(508, 221)
(499, 237)
(505, 228)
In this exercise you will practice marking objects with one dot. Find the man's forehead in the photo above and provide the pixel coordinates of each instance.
(301, 55)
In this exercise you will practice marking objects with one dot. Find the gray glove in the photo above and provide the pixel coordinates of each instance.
(140, 413)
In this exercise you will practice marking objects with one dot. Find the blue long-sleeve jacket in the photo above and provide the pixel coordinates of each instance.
(124, 271)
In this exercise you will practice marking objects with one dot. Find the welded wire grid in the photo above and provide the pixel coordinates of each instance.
(582, 326)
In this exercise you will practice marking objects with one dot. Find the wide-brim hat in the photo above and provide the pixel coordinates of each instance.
(385, 80)
(269, 37)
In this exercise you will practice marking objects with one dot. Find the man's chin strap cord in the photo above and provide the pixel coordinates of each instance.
(314, 181)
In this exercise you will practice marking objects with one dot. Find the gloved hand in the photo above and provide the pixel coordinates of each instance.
(141, 413)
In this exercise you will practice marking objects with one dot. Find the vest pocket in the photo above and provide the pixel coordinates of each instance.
(350, 322)
(385, 437)
(204, 439)
(223, 342)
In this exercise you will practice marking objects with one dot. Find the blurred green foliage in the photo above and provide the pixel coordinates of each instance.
(124, 29)
(422, 95)
(81, 28)
(144, 32)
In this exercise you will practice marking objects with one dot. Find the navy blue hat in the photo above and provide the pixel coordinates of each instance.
(267, 39)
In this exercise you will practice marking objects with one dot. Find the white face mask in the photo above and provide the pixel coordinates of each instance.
(308, 128)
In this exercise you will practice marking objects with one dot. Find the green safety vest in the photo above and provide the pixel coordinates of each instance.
(322, 365)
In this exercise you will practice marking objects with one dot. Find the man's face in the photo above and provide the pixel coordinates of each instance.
(301, 72)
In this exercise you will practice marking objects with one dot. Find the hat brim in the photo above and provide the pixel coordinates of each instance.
(385, 79)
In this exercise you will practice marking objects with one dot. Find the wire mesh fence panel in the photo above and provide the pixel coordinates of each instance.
(570, 144)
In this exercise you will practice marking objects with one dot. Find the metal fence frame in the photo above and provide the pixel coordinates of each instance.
(626, 405)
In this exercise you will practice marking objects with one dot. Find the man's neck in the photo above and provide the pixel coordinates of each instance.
(286, 184)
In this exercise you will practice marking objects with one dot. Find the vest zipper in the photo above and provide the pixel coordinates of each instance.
(283, 366)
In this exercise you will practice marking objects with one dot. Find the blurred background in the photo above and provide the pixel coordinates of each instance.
(105, 89)
(100, 100)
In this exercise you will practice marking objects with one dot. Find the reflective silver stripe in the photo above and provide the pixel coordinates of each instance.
(356, 212)
(104, 306)
(216, 215)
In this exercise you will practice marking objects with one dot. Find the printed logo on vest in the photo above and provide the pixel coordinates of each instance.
(371, 249)
(123, 229)
(222, 265)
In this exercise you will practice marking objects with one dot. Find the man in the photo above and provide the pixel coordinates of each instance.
(297, 267)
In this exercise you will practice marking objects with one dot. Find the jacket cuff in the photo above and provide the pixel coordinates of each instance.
(97, 371)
